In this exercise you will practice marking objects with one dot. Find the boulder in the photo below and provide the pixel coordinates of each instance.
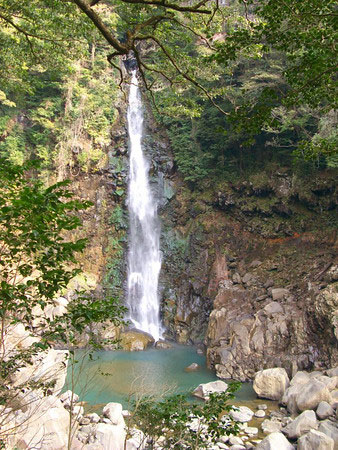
(300, 378)
(275, 441)
(163, 344)
(242, 414)
(271, 383)
(43, 425)
(271, 426)
(205, 389)
(302, 424)
(334, 399)
(330, 429)
(111, 437)
(315, 440)
(134, 341)
(311, 394)
(113, 412)
(273, 308)
(324, 410)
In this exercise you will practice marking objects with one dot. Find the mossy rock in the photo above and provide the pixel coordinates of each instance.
(134, 341)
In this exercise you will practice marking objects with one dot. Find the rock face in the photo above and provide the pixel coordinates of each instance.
(271, 383)
(204, 390)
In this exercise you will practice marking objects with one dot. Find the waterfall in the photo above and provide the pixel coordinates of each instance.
(144, 257)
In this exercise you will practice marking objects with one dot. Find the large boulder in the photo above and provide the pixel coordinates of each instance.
(47, 367)
(302, 424)
(111, 437)
(134, 341)
(275, 441)
(315, 440)
(205, 389)
(113, 411)
(330, 429)
(271, 383)
(311, 394)
(44, 425)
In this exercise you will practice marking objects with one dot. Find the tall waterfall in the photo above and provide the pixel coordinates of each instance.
(144, 257)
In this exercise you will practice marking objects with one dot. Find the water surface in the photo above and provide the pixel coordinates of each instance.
(113, 376)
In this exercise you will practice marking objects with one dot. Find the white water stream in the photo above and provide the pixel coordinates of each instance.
(144, 257)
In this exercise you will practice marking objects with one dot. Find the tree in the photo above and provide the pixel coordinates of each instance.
(37, 262)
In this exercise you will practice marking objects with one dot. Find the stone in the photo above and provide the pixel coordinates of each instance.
(300, 378)
(311, 394)
(315, 440)
(275, 441)
(279, 293)
(44, 425)
(113, 411)
(332, 372)
(192, 367)
(205, 389)
(269, 283)
(237, 447)
(47, 366)
(235, 440)
(262, 406)
(330, 429)
(260, 413)
(163, 344)
(242, 414)
(302, 424)
(137, 440)
(236, 278)
(330, 382)
(134, 341)
(271, 383)
(273, 308)
(111, 437)
(334, 399)
(94, 418)
(324, 410)
(271, 426)
(256, 263)
(69, 398)
(251, 430)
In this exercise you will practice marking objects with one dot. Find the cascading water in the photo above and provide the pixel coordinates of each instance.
(144, 257)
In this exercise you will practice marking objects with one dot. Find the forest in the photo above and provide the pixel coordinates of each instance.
(240, 141)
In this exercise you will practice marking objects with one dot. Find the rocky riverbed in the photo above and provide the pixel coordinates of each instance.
(305, 418)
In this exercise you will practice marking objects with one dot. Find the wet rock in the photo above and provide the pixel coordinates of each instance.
(315, 440)
(135, 341)
(192, 368)
(260, 413)
(163, 344)
(275, 441)
(302, 424)
(205, 389)
(262, 406)
(271, 383)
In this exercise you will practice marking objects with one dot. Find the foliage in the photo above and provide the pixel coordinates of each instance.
(37, 261)
(182, 424)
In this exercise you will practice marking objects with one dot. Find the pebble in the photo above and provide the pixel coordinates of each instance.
(260, 413)
(262, 406)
